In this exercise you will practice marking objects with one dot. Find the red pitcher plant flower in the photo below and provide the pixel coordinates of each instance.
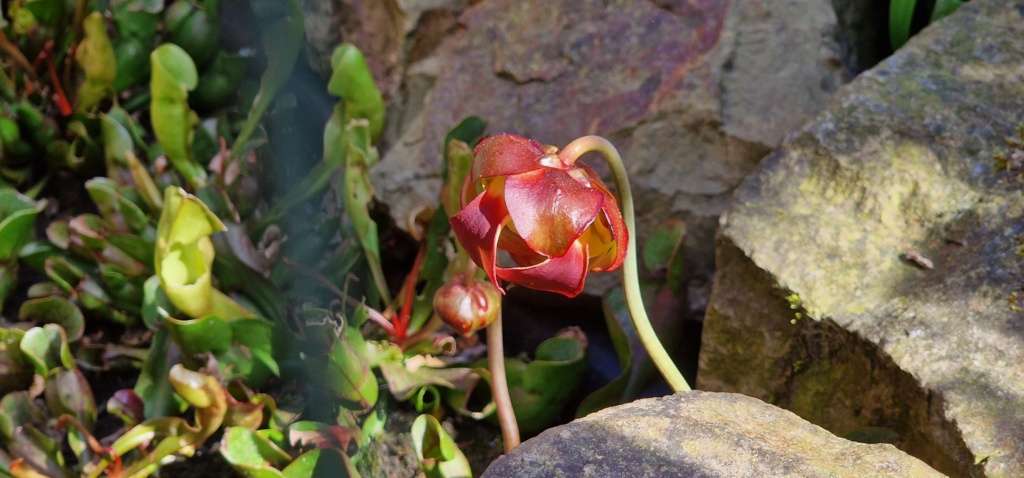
(555, 218)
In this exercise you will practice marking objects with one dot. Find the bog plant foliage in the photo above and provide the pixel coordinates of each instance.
(159, 299)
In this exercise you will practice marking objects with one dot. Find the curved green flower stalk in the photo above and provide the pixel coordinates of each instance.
(630, 272)
(95, 56)
(184, 257)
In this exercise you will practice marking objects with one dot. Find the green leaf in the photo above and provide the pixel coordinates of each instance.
(155, 304)
(943, 8)
(171, 435)
(95, 56)
(218, 84)
(47, 12)
(17, 217)
(117, 210)
(67, 392)
(252, 350)
(38, 452)
(345, 374)
(205, 394)
(184, 257)
(282, 40)
(663, 252)
(153, 386)
(174, 75)
(541, 388)
(54, 310)
(309, 434)
(352, 81)
(614, 393)
(437, 453)
(17, 372)
(322, 463)
(195, 28)
(116, 142)
(459, 387)
(46, 348)
(196, 336)
(132, 62)
(358, 192)
(251, 454)
(18, 409)
(901, 14)
(126, 405)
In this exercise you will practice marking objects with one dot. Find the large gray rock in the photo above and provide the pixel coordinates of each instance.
(822, 303)
(700, 434)
(692, 93)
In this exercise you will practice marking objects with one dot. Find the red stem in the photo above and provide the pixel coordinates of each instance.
(401, 321)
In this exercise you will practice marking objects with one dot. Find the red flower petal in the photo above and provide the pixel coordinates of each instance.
(611, 218)
(505, 154)
(564, 275)
(477, 228)
(550, 209)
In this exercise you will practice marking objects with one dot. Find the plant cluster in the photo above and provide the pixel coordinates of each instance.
(174, 304)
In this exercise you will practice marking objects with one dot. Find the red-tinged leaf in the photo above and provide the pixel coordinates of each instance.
(307, 433)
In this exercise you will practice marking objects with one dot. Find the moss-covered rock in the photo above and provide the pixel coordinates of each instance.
(864, 268)
(700, 434)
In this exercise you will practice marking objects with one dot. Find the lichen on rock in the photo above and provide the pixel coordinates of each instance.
(899, 163)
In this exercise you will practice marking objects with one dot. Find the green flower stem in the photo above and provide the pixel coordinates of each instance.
(499, 386)
(630, 277)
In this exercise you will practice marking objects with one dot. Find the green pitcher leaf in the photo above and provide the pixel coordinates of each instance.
(17, 217)
(322, 463)
(310, 434)
(541, 388)
(205, 394)
(437, 453)
(117, 210)
(126, 405)
(174, 75)
(153, 386)
(54, 310)
(67, 392)
(39, 452)
(358, 192)
(184, 257)
(251, 454)
(196, 336)
(95, 56)
(345, 374)
(352, 81)
(46, 348)
(18, 409)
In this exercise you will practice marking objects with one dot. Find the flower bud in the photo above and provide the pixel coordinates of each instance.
(467, 307)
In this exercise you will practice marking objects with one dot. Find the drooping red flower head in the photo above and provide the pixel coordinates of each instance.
(555, 218)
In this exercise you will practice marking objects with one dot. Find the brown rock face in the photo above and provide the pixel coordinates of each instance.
(864, 268)
(700, 434)
(692, 93)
